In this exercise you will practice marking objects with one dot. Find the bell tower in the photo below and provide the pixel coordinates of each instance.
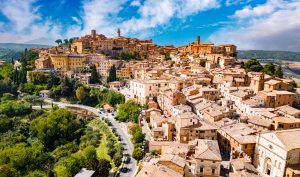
(119, 32)
(198, 39)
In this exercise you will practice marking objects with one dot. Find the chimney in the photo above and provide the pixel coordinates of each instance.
(198, 39)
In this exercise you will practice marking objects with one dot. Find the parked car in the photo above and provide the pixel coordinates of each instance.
(127, 160)
(124, 170)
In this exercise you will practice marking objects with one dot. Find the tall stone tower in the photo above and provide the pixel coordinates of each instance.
(198, 39)
(119, 32)
(93, 33)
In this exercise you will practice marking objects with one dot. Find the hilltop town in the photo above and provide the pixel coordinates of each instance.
(201, 111)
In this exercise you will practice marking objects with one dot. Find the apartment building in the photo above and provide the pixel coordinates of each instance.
(142, 90)
(189, 127)
(237, 138)
(277, 98)
(206, 160)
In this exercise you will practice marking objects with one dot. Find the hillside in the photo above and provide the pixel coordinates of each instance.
(261, 54)
(12, 50)
(8, 54)
(21, 47)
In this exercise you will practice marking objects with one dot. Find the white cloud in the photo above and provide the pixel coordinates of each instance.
(135, 3)
(264, 9)
(77, 20)
(20, 13)
(276, 29)
(25, 23)
(155, 13)
(103, 15)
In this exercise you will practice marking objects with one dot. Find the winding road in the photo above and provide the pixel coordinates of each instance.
(125, 138)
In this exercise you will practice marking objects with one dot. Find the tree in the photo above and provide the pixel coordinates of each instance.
(256, 68)
(36, 173)
(138, 153)
(6, 71)
(142, 53)
(67, 88)
(7, 96)
(23, 157)
(253, 65)
(269, 69)
(16, 76)
(68, 168)
(55, 128)
(128, 111)
(81, 94)
(94, 75)
(6, 86)
(112, 74)
(8, 171)
(14, 108)
(138, 137)
(52, 80)
(90, 158)
(118, 158)
(23, 72)
(58, 41)
(32, 99)
(66, 41)
(203, 62)
(38, 77)
(278, 72)
(103, 168)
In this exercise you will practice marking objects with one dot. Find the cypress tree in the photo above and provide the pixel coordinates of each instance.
(112, 74)
(23, 72)
(94, 75)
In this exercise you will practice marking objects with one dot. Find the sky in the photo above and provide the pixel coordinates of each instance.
(249, 24)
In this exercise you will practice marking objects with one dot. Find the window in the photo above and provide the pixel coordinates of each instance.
(201, 170)
(213, 171)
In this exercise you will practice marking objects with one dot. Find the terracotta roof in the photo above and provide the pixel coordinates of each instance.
(240, 132)
(157, 171)
(287, 137)
(207, 149)
(173, 158)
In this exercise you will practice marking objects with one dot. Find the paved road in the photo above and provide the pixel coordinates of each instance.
(128, 146)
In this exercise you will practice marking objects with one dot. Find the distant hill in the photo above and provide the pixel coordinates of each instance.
(13, 50)
(262, 54)
(16, 46)
(8, 54)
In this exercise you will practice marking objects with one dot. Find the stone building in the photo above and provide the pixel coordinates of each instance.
(206, 160)
(277, 154)
(142, 90)
(190, 127)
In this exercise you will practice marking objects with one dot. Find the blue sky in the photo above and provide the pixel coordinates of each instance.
(249, 24)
